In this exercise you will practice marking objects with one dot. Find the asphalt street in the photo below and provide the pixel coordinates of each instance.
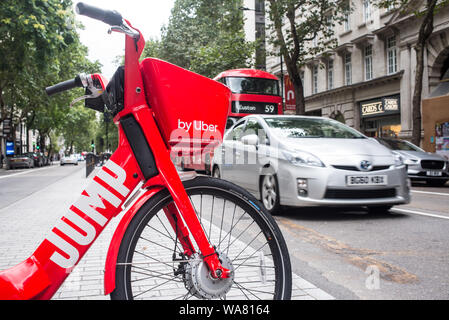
(20, 183)
(346, 252)
(351, 254)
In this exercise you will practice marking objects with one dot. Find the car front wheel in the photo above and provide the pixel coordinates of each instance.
(269, 193)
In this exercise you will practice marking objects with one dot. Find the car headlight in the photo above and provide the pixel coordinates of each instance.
(301, 158)
(411, 161)
(398, 160)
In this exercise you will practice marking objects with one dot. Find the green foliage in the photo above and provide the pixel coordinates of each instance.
(308, 26)
(40, 47)
(406, 7)
(206, 36)
(78, 128)
(106, 134)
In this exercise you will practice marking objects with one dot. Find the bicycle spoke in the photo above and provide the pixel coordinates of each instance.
(153, 287)
(251, 291)
(234, 230)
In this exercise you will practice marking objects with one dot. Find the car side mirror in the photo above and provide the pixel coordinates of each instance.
(251, 139)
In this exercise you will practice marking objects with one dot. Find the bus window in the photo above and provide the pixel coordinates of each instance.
(253, 86)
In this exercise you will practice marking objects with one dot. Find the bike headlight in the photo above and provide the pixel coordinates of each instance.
(302, 158)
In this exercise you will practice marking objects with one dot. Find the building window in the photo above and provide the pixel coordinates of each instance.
(315, 79)
(368, 62)
(347, 17)
(329, 24)
(392, 57)
(301, 75)
(348, 69)
(366, 10)
(260, 6)
(330, 74)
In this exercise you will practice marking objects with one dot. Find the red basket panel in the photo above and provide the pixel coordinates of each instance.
(188, 107)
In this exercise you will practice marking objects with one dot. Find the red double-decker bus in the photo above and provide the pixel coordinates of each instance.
(253, 92)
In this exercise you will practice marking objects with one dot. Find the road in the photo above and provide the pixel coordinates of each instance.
(18, 184)
(348, 253)
(355, 255)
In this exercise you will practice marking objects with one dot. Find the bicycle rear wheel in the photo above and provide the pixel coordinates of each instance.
(151, 263)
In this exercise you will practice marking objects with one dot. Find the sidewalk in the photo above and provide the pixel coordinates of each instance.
(24, 225)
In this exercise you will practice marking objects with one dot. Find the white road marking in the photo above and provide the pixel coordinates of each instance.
(24, 172)
(429, 192)
(419, 213)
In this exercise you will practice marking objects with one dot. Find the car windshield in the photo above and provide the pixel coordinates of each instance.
(253, 86)
(400, 145)
(292, 127)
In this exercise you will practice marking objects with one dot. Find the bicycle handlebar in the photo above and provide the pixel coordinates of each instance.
(63, 86)
(113, 18)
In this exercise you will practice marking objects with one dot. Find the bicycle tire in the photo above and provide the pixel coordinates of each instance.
(269, 278)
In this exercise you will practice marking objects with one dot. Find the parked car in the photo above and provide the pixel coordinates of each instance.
(309, 161)
(422, 166)
(38, 159)
(21, 161)
(70, 159)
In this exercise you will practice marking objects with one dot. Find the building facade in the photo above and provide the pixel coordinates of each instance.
(254, 17)
(367, 81)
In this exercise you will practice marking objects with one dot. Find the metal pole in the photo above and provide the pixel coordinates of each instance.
(282, 80)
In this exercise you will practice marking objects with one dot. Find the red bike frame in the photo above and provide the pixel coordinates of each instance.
(40, 276)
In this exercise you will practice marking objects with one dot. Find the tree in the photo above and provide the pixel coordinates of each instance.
(78, 128)
(292, 36)
(424, 11)
(106, 134)
(39, 47)
(31, 32)
(206, 36)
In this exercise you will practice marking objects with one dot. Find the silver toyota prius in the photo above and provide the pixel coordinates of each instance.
(309, 161)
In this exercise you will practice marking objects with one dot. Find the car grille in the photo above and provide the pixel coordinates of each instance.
(360, 194)
(432, 164)
(354, 168)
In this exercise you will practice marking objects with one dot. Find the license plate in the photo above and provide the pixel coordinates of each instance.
(434, 173)
(366, 180)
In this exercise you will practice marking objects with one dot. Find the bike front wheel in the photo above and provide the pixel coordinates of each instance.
(152, 264)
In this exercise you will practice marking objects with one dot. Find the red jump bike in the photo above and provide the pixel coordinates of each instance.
(181, 236)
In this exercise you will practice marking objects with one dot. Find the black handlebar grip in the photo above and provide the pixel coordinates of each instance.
(63, 86)
(113, 18)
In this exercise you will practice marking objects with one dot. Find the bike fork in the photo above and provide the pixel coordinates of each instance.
(182, 215)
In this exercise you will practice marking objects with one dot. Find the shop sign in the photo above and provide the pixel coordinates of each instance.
(381, 106)
(9, 148)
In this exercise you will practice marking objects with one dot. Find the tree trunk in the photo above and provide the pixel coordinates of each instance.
(425, 31)
(50, 148)
(299, 96)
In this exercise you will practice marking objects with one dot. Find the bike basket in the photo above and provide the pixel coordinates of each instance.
(189, 109)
